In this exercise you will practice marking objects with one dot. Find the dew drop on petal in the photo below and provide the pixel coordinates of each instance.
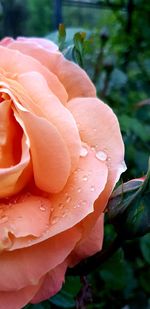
(85, 178)
(60, 205)
(3, 219)
(84, 203)
(68, 199)
(83, 151)
(92, 188)
(101, 155)
(54, 219)
(42, 208)
(79, 190)
(64, 214)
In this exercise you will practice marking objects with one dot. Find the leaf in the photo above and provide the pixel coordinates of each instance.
(63, 300)
(66, 297)
(61, 36)
(115, 272)
(145, 247)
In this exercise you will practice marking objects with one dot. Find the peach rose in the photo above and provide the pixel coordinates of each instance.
(61, 154)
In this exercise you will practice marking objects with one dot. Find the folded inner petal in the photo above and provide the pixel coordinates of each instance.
(45, 104)
(50, 157)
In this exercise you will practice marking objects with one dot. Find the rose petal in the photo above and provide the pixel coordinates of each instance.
(89, 244)
(53, 111)
(14, 178)
(104, 134)
(104, 137)
(52, 283)
(45, 43)
(13, 61)
(26, 266)
(20, 216)
(17, 299)
(74, 79)
(49, 153)
(75, 201)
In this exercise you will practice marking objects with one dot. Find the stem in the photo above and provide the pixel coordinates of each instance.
(90, 264)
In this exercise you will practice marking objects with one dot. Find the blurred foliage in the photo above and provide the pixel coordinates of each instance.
(116, 55)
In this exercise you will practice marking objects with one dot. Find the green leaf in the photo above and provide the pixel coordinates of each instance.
(61, 36)
(63, 300)
(145, 247)
(115, 272)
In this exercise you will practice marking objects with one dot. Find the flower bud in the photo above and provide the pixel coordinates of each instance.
(129, 209)
(104, 34)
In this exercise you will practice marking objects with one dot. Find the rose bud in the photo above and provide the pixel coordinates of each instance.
(128, 208)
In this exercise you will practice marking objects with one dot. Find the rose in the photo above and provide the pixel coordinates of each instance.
(61, 154)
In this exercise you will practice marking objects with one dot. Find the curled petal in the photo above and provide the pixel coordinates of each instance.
(53, 111)
(74, 79)
(14, 62)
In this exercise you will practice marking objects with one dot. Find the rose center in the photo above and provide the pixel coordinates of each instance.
(10, 134)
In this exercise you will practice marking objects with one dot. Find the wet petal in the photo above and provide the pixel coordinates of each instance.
(105, 139)
(104, 135)
(21, 216)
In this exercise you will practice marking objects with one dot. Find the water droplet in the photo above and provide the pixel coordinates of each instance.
(85, 178)
(79, 190)
(68, 199)
(60, 205)
(76, 206)
(92, 188)
(94, 129)
(3, 219)
(83, 151)
(84, 203)
(54, 219)
(42, 208)
(64, 214)
(101, 155)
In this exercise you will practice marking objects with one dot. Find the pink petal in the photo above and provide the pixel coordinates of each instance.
(14, 178)
(104, 137)
(45, 104)
(17, 299)
(49, 153)
(74, 79)
(47, 44)
(104, 134)
(20, 217)
(52, 283)
(14, 62)
(75, 201)
(89, 244)
(23, 267)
